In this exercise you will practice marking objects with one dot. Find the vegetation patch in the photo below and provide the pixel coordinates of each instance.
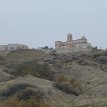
(22, 95)
(29, 93)
(40, 70)
(73, 86)
(13, 89)
(21, 103)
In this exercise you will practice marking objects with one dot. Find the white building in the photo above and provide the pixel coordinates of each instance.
(12, 47)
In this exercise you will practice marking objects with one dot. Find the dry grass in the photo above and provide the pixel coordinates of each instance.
(28, 103)
(40, 70)
(73, 86)
(21, 55)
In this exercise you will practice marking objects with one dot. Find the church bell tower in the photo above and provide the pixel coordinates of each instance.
(69, 37)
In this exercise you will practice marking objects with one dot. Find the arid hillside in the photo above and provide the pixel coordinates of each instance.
(32, 78)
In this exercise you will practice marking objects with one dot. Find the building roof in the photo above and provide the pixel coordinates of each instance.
(83, 37)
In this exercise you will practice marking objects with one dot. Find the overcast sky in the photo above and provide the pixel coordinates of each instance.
(41, 22)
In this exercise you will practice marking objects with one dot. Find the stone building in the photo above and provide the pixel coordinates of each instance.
(12, 47)
(70, 43)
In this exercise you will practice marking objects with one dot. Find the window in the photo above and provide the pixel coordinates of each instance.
(6, 48)
(12, 49)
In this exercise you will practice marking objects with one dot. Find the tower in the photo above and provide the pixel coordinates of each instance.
(69, 37)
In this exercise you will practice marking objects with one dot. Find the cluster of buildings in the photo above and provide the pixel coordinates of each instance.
(70, 43)
(12, 47)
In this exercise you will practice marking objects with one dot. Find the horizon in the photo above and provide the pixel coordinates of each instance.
(54, 44)
(41, 23)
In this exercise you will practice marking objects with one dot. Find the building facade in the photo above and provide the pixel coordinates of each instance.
(70, 43)
(12, 47)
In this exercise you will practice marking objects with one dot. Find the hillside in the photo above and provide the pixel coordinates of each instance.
(57, 80)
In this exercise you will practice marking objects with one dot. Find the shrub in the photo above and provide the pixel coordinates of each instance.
(2, 60)
(29, 93)
(73, 86)
(13, 89)
(62, 78)
(25, 94)
(35, 103)
(40, 70)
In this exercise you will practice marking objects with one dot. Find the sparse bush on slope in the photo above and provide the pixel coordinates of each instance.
(73, 86)
(2, 60)
(13, 89)
(29, 93)
(22, 95)
(40, 70)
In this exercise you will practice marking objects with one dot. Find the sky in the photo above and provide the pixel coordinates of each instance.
(39, 23)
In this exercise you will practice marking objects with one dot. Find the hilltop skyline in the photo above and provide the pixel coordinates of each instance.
(41, 23)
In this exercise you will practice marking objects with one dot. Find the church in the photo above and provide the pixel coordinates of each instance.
(70, 43)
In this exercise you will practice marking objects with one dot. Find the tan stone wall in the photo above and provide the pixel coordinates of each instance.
(70, 50)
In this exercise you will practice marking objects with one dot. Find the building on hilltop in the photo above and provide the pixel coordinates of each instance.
(12, 47)
(70, 43)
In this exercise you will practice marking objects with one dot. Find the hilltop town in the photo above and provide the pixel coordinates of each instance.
(60, 47)
(70, 43)
(73, 45)
(72, 75)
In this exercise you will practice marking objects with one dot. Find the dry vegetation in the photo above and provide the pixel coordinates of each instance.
(28, 103)
(40, 70)
(71, 86)
(89, 67)
(22, 95)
